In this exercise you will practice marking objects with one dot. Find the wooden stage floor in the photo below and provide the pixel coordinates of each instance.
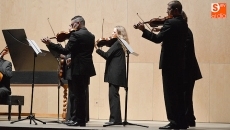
(97, 125)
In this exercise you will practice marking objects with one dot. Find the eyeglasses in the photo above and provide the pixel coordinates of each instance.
(74, 23)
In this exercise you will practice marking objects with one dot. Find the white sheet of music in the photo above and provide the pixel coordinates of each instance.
(128, 47)
(35, 47)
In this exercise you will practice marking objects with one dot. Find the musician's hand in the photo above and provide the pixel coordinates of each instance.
(1, 76)
(62, 56)
(68, 61)
(74, 26)
(156, 29)
(71, 29)
(60, 71)
(46, 40)
(95, 45)
(140, 26)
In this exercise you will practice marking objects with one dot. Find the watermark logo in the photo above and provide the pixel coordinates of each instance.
(218, 10)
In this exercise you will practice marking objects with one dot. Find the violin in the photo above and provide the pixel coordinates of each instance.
(106, 41)
(155, 22)
(62, 36)
(4, 52)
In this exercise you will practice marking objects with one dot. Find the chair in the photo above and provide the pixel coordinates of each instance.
(13, 100)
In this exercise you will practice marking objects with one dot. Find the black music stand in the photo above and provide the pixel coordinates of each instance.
(19, 45)
(129, 51)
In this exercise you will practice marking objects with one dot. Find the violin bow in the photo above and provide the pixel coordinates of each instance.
(102, 27)
(151, 30)
(143, 21)
(52, 30)
(59, 61)
(51, 27)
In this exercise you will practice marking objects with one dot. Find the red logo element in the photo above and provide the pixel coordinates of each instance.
(218, 10)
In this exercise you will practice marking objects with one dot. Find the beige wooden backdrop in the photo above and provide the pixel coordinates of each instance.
(145, 99)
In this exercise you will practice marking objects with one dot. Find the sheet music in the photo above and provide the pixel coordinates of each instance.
(128, 47)
(35, 47)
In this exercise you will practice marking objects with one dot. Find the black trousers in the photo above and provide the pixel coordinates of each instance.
(174, 96)
(114, 103)
(69, 113)
(70, 104)
(78, 97)
(4, 92)
(189, 112)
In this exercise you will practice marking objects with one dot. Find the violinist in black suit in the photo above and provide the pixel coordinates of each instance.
(80, 46)
(70, 103)
(115, 72)
(173, 36)
(192, 73)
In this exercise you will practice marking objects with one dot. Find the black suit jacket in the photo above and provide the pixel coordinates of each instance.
(80, 46)
(6, 70)
(173, 37)
(192, 72)
(115, 69)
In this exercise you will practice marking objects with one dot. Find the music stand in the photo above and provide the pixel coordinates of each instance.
(19, 36)
(129, 51)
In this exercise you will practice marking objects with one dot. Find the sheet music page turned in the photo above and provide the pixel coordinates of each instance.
(35, 47)
(128, 47)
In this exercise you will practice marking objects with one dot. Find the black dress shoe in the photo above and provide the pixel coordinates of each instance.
(74, 123)
(192, 124)
(169, 126)
(66, 122)
(173, 126)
